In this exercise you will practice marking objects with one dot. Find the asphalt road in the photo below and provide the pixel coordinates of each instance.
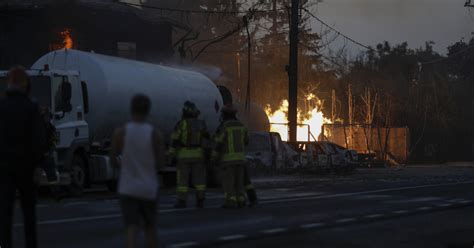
(420, 207)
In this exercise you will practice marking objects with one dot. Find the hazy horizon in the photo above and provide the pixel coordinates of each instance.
(397, 21)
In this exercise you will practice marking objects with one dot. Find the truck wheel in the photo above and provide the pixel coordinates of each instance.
(79, 178)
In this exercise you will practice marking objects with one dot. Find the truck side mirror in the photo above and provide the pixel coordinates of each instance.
(85, 96)
(66, 95)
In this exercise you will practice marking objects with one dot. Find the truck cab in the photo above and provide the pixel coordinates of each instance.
(65, 97)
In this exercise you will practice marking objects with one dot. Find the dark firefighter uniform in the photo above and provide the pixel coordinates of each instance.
(229, 151)
(187, 143)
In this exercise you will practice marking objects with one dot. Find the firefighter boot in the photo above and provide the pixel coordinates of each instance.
(199, 199)
(200, 203)
(230, 203)
(241, 203)
(252, 196)
(180, 204)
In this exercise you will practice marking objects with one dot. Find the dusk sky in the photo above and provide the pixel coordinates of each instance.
(414, 21)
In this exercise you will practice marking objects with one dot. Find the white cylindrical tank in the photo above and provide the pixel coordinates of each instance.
(112, 82)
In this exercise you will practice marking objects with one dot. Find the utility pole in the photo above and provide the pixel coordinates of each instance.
(293, 72)
(239, 78)
(275, 17)
(351, 113)
(333, 106)
(249, 67)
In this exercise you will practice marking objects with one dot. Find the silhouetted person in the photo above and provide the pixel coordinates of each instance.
(141, 147)
(21, 143)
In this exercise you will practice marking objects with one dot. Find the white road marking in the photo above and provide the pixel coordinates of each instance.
(307, 194)
(424, 208)
(290, 196)
(232, 237)
(400, 211)
(346, 220)
(182, 245)
(465, 201)
(312, 225)
(414, 200)
(75, 203)
(275, 230)
(365, 192)
(444, 205)
(373, 216)
(82, 219)
(457, 200)
(364, 197)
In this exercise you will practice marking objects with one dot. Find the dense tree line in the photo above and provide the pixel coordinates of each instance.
(419, 88)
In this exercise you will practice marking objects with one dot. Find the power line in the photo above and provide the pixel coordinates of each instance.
(191, 11)
(369, 48)
(450, 56)
(337, 31)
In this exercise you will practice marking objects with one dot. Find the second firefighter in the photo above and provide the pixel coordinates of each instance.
(229, 152)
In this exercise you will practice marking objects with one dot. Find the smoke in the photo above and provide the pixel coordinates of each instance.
(212, 72)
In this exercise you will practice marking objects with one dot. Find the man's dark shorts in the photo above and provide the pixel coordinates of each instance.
(136, 211)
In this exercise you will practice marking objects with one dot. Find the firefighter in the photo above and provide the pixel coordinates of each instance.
(187, 142)
(229, 152)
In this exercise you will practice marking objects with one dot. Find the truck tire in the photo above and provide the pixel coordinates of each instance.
(79, 177)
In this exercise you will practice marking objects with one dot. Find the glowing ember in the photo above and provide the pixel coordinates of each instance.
(67, 39)
(313, 118)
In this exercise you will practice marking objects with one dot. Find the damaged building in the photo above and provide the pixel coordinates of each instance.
(30, 29)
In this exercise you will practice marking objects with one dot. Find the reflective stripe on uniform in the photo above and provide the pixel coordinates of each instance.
(200, 187)
(182, 189)
(190, 153)
(184, 132)
(232, 139)
(231, 157)
(172, 151)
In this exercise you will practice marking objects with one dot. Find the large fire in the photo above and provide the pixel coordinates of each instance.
(313, 119)
(67, 39)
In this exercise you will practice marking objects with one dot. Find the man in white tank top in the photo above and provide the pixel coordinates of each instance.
(141, 147)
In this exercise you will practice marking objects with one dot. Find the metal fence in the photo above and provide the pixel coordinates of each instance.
(390, 144)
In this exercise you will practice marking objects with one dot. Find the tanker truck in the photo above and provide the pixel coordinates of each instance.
(89, 95)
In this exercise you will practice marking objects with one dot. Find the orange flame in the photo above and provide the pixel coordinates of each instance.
(313, 118)
(68, 43)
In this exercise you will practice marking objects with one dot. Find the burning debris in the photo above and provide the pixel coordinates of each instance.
(67, 39)
(311, 119)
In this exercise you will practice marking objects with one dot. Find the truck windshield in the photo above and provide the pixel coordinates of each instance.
(40, 89)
